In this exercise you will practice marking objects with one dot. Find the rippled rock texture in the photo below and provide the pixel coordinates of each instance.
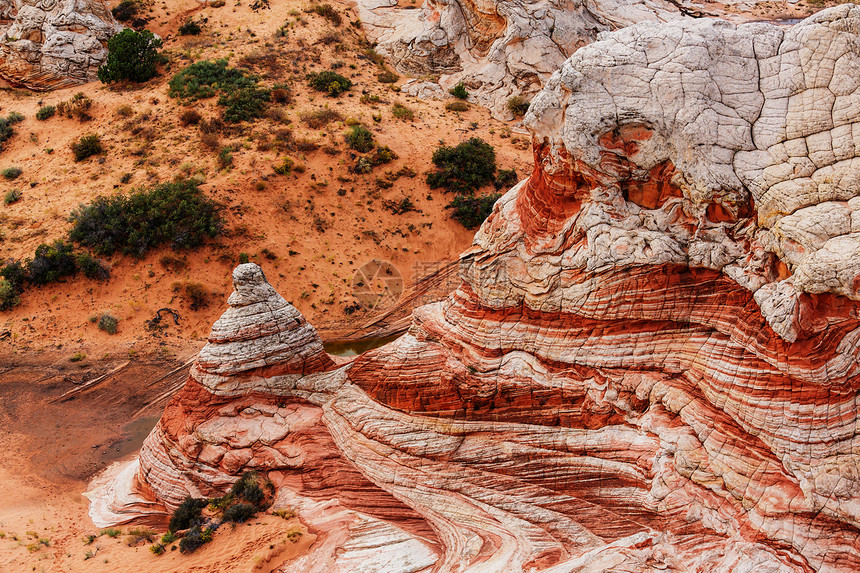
(651, 363)
(499, 48)
(50, 44)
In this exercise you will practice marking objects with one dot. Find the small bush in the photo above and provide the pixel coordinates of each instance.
(157, 548)
(330, 82)
(169, 537)
(78, 107)
(11, 173)
(285, 167)
(204, 79)
(244, 104)
(281, 94)
(320, 118)
(239, 513)
(505, 179)
(125, 11)
(176, 213)
(400, 111)
(518, 105)
(132, 56)
(457, 106)
(9, 295)
(464, 168)
(329, 13)
(124, 110)
(51, 262)
(87, 146)
(360, 138)
(472, 210)
(190, 28)
(108, 323)
(111, 532)
(387, 77)
(91, 267)
(12, 196)
(399, 207)
(195, 538)
(45, 112)
(225, 157)
(187, 515)
(459, 91)
(190, 117)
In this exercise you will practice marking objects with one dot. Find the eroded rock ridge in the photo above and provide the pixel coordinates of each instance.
(651, 363)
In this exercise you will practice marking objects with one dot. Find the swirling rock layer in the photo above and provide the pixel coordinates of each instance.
(50, 44)
(651, 363)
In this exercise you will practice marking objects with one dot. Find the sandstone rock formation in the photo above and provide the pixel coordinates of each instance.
(651, 364)
(499, 48)
(49, 44)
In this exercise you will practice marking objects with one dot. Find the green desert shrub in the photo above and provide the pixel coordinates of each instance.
(86, 146)
(459, 91)
(244, 104)
(177, 214)
(518, 105)
(51, 262)
(205, 79)
(239, 513)
(464, 168)
(12, 196)
(108, 323)
(9, 295)
(190, 28)
(125, 11)
(330, 82)
(187, 515)
(387, 77)
(359, 138)
(400, 111)
(195, 538)
(45, 112)
(505, 179)
(91, 267)
(329, 13)
(472, 210)
(6, 129)
(132, 56)
(77, 107)
(11, 173)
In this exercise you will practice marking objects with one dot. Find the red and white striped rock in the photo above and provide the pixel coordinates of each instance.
(642, 369)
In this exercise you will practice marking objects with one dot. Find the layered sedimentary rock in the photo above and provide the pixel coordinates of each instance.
(651, 363)
(499, 48)
(49, 44)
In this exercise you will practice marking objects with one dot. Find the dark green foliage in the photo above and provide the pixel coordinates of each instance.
(125, 10)
(188, 514)
(505, 179)
(51, 263)
(195, 538)
(15, 272)
(10, 295)
(459, 91)
(87, 146)
(471, 210)
(12, 276)
(190, 28)
(204, 79)
(91, 267)
(45, 112)
(360, 138)
(12, 173)
(6, 130)
(327, 81)
(239, 513)
(329, 13)
(132, 56)
(12, 196)
(175, 213)
(248, 488)
(108, 323)
(464, 168)
(387, 77)
(518, 105)
(244, 104)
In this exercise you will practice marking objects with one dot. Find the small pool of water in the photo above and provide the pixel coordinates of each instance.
(356, 347)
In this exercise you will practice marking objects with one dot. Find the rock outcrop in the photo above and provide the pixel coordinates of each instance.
(499, 48)
(651, 363)
(50, 44)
